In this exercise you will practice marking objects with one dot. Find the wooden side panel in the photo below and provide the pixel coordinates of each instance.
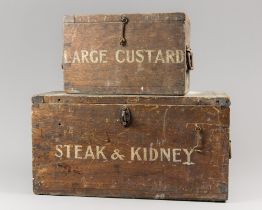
(82, 149)
(152, 62)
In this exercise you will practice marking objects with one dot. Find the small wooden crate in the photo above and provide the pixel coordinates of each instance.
(159, 147)
(127, 54)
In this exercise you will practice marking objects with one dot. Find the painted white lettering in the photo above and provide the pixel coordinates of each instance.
(126, 56)
(78, 149)
(179, 56)
(94, 56)
(59, 152)
(84, 55)
(139, 56)
(89, 153)
(170, 54)
(149, 55)
(134, 153)
(68, 153)
(118, 56)
(153, 154)
(99, 152)
(102, 56)
(188, 154)
(176, 152)
(76, 58)
(65, 57)
(130, 56)
(164, 153)
(159, 57)
(145, 153)
(175, 155)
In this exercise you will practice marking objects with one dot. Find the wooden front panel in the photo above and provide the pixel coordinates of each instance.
(152, 62)
(82, 149)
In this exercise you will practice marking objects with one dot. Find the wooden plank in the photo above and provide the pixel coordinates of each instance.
(192, 98)
(134, 17)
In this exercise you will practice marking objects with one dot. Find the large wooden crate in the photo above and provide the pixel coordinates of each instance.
(160, 147)
(127, 54)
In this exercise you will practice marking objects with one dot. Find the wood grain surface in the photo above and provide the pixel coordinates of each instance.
(152, 62)
(81, 148)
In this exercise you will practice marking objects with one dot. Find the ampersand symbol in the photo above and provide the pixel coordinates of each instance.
(116, 155)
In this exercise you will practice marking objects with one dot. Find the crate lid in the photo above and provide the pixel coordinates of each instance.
(204, 98)
(152, 17)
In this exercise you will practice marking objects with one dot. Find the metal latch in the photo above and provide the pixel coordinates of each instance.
(189, 58)
(125, 116)
(199, 137)
(124, 21)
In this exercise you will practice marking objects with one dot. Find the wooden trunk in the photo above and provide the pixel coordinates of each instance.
(127, 54)
(160, 147)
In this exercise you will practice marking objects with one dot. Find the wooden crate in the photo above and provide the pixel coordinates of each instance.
(159, 147)
(127, 54)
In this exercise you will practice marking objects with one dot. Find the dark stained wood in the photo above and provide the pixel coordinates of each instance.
(197, 122)
(209, 98)
(104, 74)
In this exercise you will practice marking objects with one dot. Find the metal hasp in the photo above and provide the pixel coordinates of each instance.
(198, 137)
(125, 116)
(124, 20)
(189, 58)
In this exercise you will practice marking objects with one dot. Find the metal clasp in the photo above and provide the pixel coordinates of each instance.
(125, 116)
(123, 41)
(198, 137)
(189, 58)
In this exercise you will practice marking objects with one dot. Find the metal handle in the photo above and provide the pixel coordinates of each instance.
(229, 149)
(189, 58)
(125, 116)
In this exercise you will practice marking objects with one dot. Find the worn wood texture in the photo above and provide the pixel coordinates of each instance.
(152, 62)
(81, 148)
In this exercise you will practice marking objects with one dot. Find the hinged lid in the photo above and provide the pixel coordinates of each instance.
(134, 17)
(206, 98)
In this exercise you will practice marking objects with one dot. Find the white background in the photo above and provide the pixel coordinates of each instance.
(227, 44)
